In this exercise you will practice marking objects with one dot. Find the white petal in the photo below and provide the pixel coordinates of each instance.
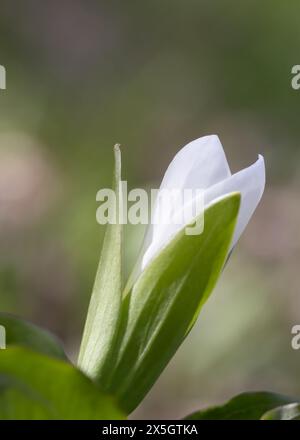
(250, 182)
(199, 164)
(202, 164)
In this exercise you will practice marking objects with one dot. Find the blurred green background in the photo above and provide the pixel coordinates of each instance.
(152, 75)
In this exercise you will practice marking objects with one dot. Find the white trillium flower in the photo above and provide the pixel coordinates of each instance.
(202, 165)
(137, 324)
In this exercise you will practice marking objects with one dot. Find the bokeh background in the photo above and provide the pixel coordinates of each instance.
(152, 75)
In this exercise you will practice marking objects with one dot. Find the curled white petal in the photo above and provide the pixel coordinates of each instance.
(250, 182)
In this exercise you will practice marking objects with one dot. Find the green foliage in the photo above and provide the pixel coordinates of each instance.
(162, 306)
(34, 386)
(22, 333)
(104, 309)
(245, 406)
(127, 341)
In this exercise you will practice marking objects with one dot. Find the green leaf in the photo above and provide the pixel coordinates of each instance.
(245, 406)
(105, 305)
(22, 333)
(162, 306)
(285, 412)
(34, 386)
